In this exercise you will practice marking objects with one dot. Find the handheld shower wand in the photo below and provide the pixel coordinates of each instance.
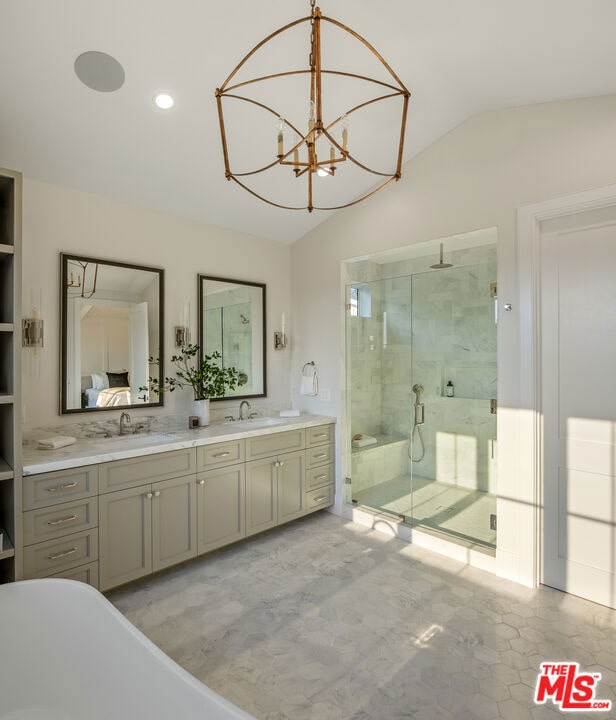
(418, 421)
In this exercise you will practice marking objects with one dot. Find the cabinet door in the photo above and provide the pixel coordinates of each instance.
(174, 521)
(125, 535)
(291, 502)
(221, 505)
(261, 495)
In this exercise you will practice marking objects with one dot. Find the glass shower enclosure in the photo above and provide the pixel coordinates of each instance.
(421, 382)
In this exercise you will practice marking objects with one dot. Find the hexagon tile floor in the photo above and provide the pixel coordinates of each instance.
(326, 620)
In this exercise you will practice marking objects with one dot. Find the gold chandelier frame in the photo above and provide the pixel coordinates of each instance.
(316, 128)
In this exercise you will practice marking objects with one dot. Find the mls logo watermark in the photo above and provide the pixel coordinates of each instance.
(568, 688)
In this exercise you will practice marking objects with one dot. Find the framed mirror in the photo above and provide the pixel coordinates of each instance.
(232, 322)
(112, 322)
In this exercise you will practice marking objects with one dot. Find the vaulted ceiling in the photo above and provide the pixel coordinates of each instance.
(457, 58)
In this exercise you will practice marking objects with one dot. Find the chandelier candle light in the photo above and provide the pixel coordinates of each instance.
(301, 154)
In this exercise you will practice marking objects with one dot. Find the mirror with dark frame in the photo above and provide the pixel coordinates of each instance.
(112, 323)
(232, 322)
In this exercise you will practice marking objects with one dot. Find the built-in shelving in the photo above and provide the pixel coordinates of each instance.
(6, 471)
(8, 551)
(10, 378)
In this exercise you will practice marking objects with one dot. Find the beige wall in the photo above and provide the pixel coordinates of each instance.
(474, 177)
(58, 220)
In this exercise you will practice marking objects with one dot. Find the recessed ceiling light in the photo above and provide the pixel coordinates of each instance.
(164, 101)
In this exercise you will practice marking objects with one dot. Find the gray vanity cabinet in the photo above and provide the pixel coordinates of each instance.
(148, 525)
(160, 509)
(145, 529)
(221, 502)
(274, 490)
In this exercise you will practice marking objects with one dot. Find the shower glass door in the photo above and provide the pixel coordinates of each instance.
(453, 473)
(421, 380)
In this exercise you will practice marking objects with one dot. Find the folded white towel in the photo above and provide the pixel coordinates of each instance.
(55, 442)
(289, 413)
(363, 441)
(310, 380)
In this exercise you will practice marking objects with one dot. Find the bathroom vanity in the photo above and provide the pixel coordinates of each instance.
(113, 510)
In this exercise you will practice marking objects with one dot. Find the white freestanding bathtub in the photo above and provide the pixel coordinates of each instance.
(67, 654)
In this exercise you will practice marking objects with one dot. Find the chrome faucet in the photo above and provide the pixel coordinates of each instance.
(124, 418)
(243, 404)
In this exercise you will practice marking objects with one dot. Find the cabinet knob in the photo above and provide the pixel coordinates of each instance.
(281, 463)
(148, 495)
(200, 482)
(157, 493)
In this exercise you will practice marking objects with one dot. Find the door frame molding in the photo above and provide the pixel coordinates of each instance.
(529, 219)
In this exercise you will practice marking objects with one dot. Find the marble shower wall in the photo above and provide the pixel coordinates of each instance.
(429, 327)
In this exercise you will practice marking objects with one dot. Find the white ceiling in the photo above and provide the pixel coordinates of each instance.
(457, 57)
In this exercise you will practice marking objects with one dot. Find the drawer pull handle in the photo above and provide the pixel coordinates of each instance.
(57, 556)
(320, 477)
(221, 454)
(318, 457)
(321, 435)
(320, 499)
(57, 488)
(61, 521)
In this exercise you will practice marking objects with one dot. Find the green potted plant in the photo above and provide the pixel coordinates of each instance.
(207, 378)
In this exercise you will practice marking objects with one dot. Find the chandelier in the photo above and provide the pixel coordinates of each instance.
(317, 144)
(77, 279)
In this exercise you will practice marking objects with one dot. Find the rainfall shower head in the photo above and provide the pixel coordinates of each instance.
(440, 264)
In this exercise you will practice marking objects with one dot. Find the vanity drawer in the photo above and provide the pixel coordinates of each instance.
(56, 487)
(319, 476)
(320, 498)
(59, 520)
(264, 446)
(84, 573)
(219, 454)
(121, 474)
(320, 455)
(320, 435)
(53, 556)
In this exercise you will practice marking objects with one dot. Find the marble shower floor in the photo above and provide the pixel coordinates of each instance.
(463, 513)
(323, 619)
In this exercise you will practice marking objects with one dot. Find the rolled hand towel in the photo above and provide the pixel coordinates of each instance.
(55, 442)
(363, 440)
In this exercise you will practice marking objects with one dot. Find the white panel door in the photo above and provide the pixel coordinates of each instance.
(578, 402)
(139, 348)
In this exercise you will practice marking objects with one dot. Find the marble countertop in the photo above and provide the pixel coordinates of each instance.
(92, 451)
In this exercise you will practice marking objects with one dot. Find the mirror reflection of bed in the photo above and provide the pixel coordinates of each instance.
(114, 352)
(112, 327)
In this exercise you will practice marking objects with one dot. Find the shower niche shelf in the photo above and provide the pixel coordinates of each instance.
(470, 382)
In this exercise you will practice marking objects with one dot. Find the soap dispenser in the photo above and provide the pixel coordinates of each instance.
(449, 389)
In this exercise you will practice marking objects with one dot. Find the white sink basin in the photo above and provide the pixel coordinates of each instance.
(255, 423)
(125, 442)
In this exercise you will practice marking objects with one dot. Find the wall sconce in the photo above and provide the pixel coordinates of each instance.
(182, 336)
(32, 332)
(280, 338)
(280, 341)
